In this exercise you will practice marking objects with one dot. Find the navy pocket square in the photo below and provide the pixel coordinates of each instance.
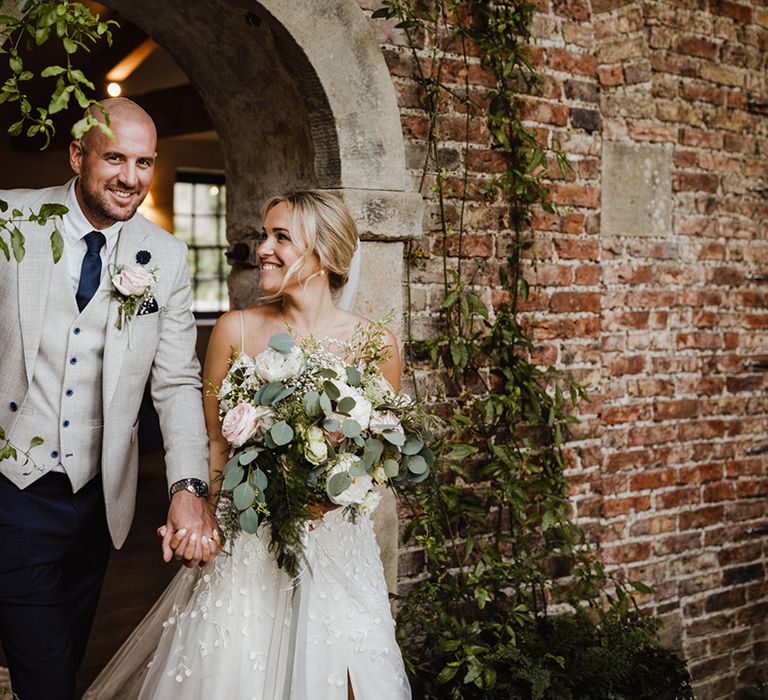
(148, 307)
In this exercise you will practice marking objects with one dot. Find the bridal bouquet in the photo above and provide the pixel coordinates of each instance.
(306, 428)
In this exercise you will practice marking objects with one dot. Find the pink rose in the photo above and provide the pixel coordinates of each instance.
(132, 281)
(243, 421)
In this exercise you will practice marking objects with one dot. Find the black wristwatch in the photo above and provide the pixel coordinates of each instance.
(195, 486)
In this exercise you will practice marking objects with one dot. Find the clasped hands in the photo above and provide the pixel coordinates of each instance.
(190, 533)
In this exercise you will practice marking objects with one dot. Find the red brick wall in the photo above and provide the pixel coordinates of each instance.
(662, 327)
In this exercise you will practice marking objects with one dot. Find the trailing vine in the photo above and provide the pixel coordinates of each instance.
(502, 550)
(34, 23)
(28, 26)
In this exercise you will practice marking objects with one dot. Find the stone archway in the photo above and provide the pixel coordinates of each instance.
(300, 95)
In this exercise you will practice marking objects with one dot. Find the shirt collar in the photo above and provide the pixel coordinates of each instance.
(77, 225)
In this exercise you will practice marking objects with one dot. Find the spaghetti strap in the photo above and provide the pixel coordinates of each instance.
(242, 332)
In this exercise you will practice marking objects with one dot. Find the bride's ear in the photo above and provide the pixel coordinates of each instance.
(348, 293)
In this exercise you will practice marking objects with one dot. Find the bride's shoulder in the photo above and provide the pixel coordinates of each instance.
(236, 323)
(357, 326)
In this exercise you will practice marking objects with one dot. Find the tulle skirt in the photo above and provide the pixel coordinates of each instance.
(242, 629)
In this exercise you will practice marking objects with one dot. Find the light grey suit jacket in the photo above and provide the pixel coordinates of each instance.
(162, 346)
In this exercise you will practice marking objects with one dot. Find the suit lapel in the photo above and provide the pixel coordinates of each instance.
(129, 243)
(34, 279)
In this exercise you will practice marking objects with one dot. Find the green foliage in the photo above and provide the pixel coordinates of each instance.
(502, 551)
(75, 27)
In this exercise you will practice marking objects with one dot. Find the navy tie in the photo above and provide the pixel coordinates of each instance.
(90, 271)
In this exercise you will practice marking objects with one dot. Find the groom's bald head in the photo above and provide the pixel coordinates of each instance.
(114, 174)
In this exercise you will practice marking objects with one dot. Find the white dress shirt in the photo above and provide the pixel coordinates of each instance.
(76, 227)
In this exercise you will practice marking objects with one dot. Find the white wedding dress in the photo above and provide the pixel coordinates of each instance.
(239, 630)
(242, 629)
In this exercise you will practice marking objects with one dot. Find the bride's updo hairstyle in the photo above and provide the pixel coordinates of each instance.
(319, 222)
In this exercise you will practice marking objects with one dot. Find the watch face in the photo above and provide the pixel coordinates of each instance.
(198, 487)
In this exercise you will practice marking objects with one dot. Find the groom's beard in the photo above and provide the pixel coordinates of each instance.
(100, 204)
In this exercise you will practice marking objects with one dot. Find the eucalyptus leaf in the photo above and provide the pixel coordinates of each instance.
(353, 376)
(417, 464)
(243, 495)
(269, 392)
(346, 405)
(412, 445)
(331, 425)
(259, 480)
(391, 467)
(394, 437)
(312, 404)
(338, 483)
(282, 342)
(351, 428)
(281, 433)
(325, 404)
(358, 469)
(232, 478)
(249, 521)
(247, 456)
(331, 390)
(375, 448)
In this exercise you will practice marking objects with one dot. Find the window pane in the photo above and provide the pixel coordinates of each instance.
(206, 230)
(199, 220)
(182, 198)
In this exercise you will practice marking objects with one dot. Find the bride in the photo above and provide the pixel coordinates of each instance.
(241, 628)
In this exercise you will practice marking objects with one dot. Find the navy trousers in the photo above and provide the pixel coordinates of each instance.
(54, 549)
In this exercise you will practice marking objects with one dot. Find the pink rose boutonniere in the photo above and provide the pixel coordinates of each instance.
(132, 288)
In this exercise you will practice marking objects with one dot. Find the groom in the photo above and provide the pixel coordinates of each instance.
(69, 375)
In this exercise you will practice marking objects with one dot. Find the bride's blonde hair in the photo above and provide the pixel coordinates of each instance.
(319, 222)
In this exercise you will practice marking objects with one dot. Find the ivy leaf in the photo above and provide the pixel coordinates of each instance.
(52, 71)
(17, 243)
(4, 248)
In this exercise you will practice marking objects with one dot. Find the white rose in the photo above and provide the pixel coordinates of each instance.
(369, 503)
(274, 366)
(132, 281)
(242, 422)
(378, 390)
(315, 447)
(385, 420)
(360, 486)
(361, 412)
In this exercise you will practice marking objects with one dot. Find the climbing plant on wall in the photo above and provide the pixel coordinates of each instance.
(514, 603)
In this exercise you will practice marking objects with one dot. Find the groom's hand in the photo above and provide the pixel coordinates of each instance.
(190, 532)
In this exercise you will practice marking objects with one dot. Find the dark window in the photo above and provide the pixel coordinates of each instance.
(199, 219)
